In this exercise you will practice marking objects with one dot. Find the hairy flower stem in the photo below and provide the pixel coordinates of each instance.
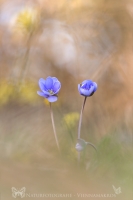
(79, 128)
(53, 124)
(92, 146)
(81, 114)
(80, 121)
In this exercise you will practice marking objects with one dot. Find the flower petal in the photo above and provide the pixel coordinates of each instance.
(42, 94)
(88, 82)
(46, 93)
(42, 84)
(85, 92)
(55, 93)
(78, 147)
(49, 83)
(52, 98)
(84, 82)
(57, 86)
(54, 79)
(95, 86)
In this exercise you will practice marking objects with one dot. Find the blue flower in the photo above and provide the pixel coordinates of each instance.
(49, 88)
(87, 88)
(80, 146)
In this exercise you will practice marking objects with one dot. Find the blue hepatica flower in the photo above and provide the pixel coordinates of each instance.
(87, 88)
(49, 88)
(80, 146)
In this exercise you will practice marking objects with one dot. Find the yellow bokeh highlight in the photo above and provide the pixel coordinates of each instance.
(24, 93)
(71, 119)
(28, 92)
(27, 20)
(46, 102)
(6, 92)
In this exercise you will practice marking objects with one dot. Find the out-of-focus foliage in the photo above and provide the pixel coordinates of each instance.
(27, 21)
(26, 93)
(71, 119)
(6, 92)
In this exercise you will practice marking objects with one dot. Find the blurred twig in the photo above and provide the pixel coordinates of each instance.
(102, 65)
(23, 68)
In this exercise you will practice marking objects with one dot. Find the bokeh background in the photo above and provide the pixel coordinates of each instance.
(72, 40)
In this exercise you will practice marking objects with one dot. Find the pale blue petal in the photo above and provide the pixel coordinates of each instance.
(42, 94)
(52, 98)
(95, 86)
(89, 82)
(84, 82)
(57, 91)
(78, 147)
(54, 79)
(57, 86)
(83, 85)
(85, 92)
(49, 83)
(46, 93)
(42, 84)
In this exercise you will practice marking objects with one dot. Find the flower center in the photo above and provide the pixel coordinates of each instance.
(50, 91)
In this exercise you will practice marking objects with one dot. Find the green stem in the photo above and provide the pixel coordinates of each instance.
(53, 124)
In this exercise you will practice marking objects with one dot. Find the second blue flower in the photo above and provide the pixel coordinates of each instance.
(87, 88)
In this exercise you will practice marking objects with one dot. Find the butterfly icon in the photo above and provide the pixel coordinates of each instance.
(20, 192)
(118, 190)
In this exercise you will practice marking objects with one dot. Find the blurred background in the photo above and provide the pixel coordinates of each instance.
(72, 40)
